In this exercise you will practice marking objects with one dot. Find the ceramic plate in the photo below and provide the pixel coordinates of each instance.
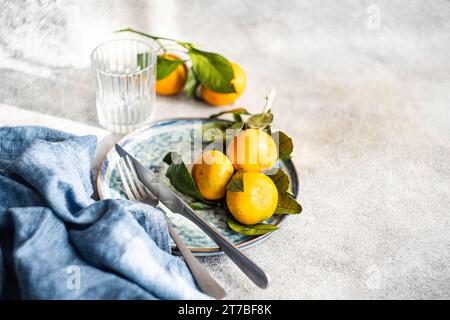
(149, 145)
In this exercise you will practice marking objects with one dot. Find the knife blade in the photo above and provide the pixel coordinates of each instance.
(157, 188)
(172, 201)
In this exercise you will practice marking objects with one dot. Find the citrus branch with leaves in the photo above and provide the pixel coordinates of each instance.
(222, 134)
(208, 69)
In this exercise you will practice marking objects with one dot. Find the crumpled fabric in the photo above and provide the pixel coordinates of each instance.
(56, 242)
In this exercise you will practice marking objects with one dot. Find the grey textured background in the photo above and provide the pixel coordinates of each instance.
(368, 109)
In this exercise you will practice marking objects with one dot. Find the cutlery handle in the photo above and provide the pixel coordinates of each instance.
(251, 269)
(205, 282)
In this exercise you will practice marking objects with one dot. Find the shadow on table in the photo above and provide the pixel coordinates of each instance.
(66, 93)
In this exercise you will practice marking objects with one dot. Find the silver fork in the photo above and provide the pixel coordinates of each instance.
(136, 191)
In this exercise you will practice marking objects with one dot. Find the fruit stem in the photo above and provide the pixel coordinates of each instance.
(185, 45)
(269, 100)
(144, 34)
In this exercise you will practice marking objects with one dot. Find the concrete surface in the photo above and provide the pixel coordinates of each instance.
(365, 99)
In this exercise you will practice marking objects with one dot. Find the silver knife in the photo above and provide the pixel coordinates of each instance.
(172, 201)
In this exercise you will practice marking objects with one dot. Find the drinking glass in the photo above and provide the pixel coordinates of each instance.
(125, 71)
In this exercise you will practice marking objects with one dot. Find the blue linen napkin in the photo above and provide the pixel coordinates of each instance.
(58, 243)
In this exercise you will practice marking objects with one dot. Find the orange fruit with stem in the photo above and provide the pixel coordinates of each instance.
(257, 202)
(174, 82)
(239, 82)
(252, 150)
(212, 173)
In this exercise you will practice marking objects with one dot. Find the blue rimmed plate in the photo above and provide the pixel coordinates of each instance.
(149, 145)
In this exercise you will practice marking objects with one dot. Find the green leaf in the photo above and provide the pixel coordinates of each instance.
(211, 131)
(237, 117)
(219, 124)
(144, 60)
(213, 70)
(252, 230)
(260, 120)
(221, 133)
(236, 183)
(285, 145)
(212, 135)
(238, 111)
(191, 85)
(287, 204)
(201, 205)
(236, 127)
(168, 158)
(232, 131)
(180, 177)
(165, 66)
(280, 178)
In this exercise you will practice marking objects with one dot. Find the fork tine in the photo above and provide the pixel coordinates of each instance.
(131, 181)
(136, 180)
(124, 180)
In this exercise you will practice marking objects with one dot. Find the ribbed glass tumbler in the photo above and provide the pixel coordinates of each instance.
(126, 76)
